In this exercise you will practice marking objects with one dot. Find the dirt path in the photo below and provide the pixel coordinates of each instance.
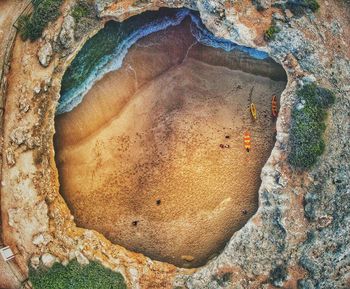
(9, 11)
(155, 160)
(10, 275)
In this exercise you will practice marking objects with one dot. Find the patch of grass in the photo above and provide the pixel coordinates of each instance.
(270, 34)
(82, 9)
(32, 26)
(76, 276)
(308, 125)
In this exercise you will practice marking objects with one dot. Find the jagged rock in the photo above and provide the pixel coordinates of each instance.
(309, 79)
(23, 105)
(38, 239)
(19, 135)
(42, 239)
(48, 259)
(12, 213)
(10, 158)
(81, 258)
(37, 89)
(35, 261)
(45, 54)
(101, 4)
(67, 31)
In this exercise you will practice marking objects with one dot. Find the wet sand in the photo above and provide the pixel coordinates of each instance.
(153, 157)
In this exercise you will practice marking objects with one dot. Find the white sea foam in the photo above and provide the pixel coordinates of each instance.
(114, 61)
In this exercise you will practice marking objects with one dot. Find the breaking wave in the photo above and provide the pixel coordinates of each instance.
(93, 62)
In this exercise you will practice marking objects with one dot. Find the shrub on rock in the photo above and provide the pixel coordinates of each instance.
(45, 11)
(76, 276)
(308, 125)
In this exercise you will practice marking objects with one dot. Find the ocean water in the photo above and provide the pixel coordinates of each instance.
(106, 51)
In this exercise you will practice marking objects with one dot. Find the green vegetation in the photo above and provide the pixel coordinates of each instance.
(296, 6)
(312, 4)
(76, 276)
(223, 279)
(308, 125)
(32, 26)
(270, 34)
(82, 9)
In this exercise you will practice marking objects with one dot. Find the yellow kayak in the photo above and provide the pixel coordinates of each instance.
(253, 110)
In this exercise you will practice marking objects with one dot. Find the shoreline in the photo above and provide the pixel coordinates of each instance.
(69, 100)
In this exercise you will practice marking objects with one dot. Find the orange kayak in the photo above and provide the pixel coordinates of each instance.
(247, 141)
(274, 106)
(253, 110)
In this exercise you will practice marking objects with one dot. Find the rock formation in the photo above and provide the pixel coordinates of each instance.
(299, 236)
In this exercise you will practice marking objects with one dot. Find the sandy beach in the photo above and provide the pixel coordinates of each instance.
(153, 157)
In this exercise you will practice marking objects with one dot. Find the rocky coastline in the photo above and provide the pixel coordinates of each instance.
(298, 238)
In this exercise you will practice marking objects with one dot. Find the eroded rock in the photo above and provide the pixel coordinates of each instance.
(67, 32)
(48, 260)
(275, 238)
(45, 54)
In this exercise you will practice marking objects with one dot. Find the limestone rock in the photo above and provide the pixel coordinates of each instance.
(67, 32)
(19, 135)
(10, 158)
(22, 137)
(48, 259)
(37, 89)
(45, 54)
(23, 105)
(81, 258)
(308, 79)
(42, 239)
(35, 261)
(12, 213)
(101, 4)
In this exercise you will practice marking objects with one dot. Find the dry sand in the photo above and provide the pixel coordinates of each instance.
(141, 159)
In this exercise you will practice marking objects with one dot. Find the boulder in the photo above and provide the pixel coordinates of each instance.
(45, 54)
(48, 259)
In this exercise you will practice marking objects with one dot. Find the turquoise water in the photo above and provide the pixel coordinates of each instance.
(105, 51)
